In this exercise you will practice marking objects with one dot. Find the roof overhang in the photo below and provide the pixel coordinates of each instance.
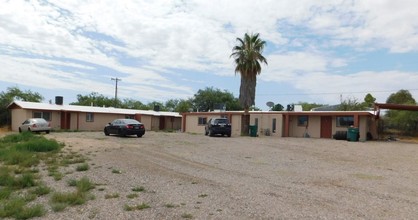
(378, 106)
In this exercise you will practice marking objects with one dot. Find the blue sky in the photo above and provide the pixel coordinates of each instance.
(317, 51)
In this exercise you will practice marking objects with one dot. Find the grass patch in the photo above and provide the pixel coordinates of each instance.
(187, 215)
(136, 207)
(20, 183)
(59, 201)
(132, 195)
(82, 167)
(84, 185)
(112, 196)
(116, 171)
(138, 189)
(41, 190)
(16, 208)
(171, 205)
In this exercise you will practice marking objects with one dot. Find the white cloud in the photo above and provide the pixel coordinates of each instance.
(147, 42)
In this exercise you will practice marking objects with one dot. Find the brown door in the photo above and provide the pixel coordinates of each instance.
(65, 120)
(162, 123)
(326, 127)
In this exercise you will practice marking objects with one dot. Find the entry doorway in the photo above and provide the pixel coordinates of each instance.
(326, 127)
(65, 120)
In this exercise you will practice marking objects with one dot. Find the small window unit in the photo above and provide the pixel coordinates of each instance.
(129, 116)
(303, 120)
(202, 120)
(273, 126)
(89, 117)
(345, 121)
(44, 115)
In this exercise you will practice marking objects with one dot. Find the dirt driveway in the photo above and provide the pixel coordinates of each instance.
(194, 176)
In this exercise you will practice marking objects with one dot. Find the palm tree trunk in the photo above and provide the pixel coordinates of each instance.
(247, 97)
(247, 91)
(245, 124)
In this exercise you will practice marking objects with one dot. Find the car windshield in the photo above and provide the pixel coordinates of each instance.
(221, 121)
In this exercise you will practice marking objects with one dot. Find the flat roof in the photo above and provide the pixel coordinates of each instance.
(92, 109)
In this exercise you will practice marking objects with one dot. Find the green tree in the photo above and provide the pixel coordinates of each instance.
(401, 97)
(184, 106)
(248, 56)
(156, 106)
(94, 99)
(179, 105)
(210, 98)
(14, 93)
(405, 122)
(132, 104)
(277, 107)
(369, 100)
(351, 104)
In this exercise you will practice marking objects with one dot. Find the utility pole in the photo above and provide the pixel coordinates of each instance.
(116, 90)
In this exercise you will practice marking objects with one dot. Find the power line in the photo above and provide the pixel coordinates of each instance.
(116, 89)
(329, 93)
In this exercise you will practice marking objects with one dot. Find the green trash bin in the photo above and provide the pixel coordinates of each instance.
(352, 134)
(253, 130)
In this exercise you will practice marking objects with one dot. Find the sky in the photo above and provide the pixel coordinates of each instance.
(317, 51)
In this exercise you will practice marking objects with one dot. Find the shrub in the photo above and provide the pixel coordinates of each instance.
(38, 145)
(72, 198)
(138, 189)
(82, 167)
(16, 138)
(41, 190)
(84, 185)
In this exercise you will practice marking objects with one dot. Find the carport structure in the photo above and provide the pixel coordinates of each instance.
(378, 106)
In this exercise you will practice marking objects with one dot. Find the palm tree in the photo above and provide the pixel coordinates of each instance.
(248, 56)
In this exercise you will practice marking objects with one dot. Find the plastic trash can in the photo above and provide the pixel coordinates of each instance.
(352, 134)
(253, 130)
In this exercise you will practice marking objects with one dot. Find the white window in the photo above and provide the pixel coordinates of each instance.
(89, 117)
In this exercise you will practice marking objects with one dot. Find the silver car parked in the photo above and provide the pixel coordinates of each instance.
(35, 125)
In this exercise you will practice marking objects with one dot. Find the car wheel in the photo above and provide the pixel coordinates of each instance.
(20, 130)
(139, 135)
(29, 130)
(229, 134)
(211, 133)
(206, 132)
(47, 132)
(106, 132)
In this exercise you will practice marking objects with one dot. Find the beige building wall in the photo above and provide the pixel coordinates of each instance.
(235, 125)
(173, 123)
(314, 127)
(192, 123)
(18, 117)
(55, 122)
(155, 123)
(98, 123)
(296, 130)
(146, 120)
(265, 122)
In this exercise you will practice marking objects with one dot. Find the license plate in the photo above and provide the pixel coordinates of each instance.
(136, 127)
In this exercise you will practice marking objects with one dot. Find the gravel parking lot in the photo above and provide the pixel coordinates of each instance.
(188, 176)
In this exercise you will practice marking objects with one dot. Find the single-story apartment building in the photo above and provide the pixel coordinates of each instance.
(89, 118)
(316, 124)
